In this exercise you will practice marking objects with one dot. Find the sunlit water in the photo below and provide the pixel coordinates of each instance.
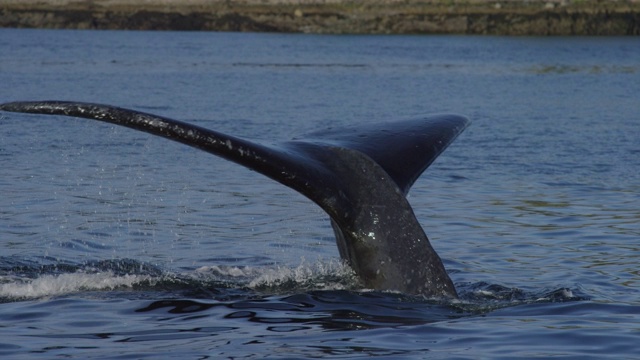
(116, 244)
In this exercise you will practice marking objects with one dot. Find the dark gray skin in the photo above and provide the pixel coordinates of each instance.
(359, 175)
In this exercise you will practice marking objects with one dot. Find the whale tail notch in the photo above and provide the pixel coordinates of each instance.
(359, 175)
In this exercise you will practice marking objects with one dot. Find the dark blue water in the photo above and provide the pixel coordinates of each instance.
(116, 244)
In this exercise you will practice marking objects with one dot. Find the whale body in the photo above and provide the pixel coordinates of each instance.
(359, 175)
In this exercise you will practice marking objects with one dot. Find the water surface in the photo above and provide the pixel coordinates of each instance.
(116, 244)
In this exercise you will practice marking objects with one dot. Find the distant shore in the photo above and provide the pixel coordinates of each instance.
(507, 17)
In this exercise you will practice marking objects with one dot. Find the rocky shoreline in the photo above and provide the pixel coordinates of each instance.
(507, 17)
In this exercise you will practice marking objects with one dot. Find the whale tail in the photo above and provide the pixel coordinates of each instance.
(359, 175)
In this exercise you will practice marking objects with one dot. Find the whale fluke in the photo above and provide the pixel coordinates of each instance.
(359, 175)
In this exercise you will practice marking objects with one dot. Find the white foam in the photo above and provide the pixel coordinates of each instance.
(331, 275)
(226, 271)
(52, 285)
(306, 274)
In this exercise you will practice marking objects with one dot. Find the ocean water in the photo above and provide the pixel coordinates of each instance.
(118, 245)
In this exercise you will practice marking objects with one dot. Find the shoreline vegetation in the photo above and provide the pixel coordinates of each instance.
(505, 17)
